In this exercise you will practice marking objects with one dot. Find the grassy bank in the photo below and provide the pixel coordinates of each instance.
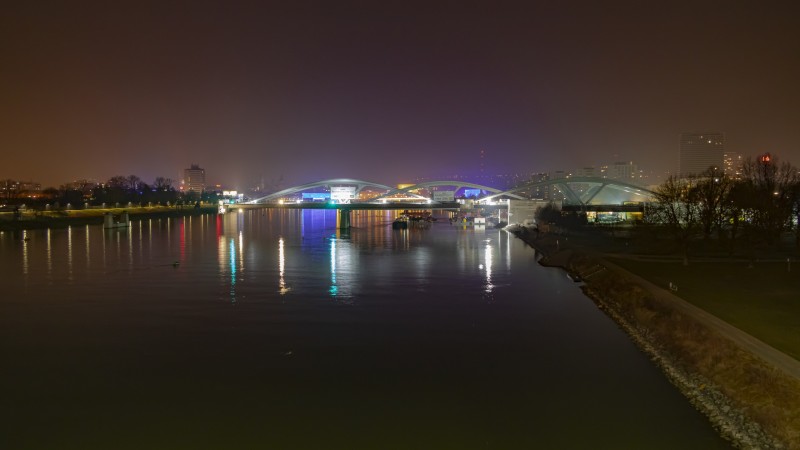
(762, 300)
(33, 220)
(750, 402)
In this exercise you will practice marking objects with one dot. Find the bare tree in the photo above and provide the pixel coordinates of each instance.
(712, 193)
(133, 182)
(118, 181)
(162, 183)
(677, 208)
(770, 188)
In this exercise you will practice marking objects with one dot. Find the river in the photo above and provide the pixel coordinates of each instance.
(272, 329)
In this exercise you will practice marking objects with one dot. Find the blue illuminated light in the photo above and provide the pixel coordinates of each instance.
(472, 193)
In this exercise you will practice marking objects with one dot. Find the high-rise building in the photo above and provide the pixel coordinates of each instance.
(194, 178)
(623, 171)
(699, 151)
(733, 165)
(540, 192)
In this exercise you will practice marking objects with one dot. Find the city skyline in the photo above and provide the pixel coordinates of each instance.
(382, 92)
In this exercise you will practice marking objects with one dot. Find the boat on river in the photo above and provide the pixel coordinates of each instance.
(401, 223)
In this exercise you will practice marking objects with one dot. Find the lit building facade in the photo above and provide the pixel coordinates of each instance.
(733, 165)
(194, 179)
(699, 151)
(623, 171)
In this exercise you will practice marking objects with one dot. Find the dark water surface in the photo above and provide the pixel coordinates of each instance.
(274, 330)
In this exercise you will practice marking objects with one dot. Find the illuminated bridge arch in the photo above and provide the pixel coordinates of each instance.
(456, 184)
(581, 198)
(359, 184)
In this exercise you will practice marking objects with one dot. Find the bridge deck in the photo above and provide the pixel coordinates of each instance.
(349, 206)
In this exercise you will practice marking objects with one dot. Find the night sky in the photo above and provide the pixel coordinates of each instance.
(386, 91)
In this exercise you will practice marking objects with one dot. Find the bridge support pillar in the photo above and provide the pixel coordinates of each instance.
(344, 219)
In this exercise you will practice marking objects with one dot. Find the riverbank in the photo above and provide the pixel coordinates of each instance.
(751, 402)
(38, 220)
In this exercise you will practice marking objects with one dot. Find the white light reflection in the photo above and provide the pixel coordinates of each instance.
(119, 246)
(69, 253)
(49, 256)
(507, 237)
(105, 235)
(25, 252)
(221, 257)
(334, 290)
(283, 288)
(88, 257)
(129, 232)
(488, 266)
(342, 270)
(141, 241)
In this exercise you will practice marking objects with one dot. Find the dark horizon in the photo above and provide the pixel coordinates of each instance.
(387, 93)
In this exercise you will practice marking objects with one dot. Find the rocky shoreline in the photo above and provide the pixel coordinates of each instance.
(725, 414)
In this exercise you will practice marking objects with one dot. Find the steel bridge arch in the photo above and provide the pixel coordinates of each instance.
(572, 196)
(360, 185)
(457, 184)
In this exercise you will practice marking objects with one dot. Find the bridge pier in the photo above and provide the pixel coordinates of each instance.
(344, 219)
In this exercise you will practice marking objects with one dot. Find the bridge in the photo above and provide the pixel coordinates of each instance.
(351, 194)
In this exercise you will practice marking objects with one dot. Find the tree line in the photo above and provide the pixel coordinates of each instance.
(122, 189)
(749, 212)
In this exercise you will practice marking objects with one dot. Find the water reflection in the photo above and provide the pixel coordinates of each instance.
(241, 250)
(128, 232)
(88, 254)
(233, 270)
(343, 266)
(69, 253)
(25, 252)
(49, 250)
(182, 241)
(422, 343)
(334, 290)
(488, 261)
(283, 288)
(230, 252)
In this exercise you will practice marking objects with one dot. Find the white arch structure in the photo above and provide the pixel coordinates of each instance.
(359, 184)
(455, 184)
(598, 184)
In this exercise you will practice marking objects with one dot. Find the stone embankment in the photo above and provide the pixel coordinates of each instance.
(750, 403)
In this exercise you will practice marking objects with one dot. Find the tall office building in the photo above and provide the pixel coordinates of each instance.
(194, 178)
(622, 170)
(733, 165)
(699, 151)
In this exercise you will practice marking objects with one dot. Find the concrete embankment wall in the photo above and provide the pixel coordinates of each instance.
(750, 402)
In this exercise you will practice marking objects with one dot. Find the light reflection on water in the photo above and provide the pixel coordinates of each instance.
(69, 251)
(283, 287)
(233, 270)
(276, 248)
(50, 256)
(25, 253)
(344, 267)
(451, 333)
(488, 266)
(88, 253)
